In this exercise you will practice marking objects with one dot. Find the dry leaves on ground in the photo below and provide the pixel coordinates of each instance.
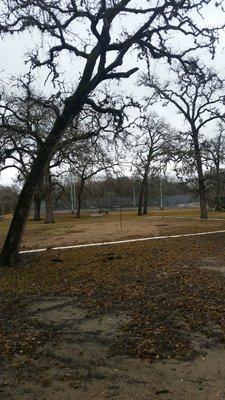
(177, 307)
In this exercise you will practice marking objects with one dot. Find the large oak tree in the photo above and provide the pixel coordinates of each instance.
(98, 35)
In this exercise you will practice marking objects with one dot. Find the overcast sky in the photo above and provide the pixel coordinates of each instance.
(14, 48)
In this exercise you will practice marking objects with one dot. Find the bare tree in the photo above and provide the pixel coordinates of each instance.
(25, 122)
(102, 51)
(26, 118)
(86, 160)
(152, 141)
(198, 98)
(214, 156)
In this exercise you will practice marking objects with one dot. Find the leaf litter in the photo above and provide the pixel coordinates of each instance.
(176, 307)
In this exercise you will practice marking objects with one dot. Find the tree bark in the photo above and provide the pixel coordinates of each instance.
(10, 250)
(218, 186)
(79, 199)
(37, 207)
(49, 218)
(145, 203)
(201, 181)
(143, 196)
(141, 199)
(78, 208)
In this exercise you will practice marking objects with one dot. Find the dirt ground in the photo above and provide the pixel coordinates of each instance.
(68, 231)
(79, 365)
(108, 228)
(139, 321)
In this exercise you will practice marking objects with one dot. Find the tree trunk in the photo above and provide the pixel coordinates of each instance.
(49, 218)
(201, 182)
(37, 207)
(145, 203)
(78, 208)
(218, 185)
(10, 250)
(141, 199)
(79, 199)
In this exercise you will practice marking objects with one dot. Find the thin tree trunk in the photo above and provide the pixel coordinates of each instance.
(10, 250)
(37, 207)
(145, 204)
(201, 182)
(49, 218)
(79, 199)
(78, 208)
(143, 196)
(218, 186)
(141, 199)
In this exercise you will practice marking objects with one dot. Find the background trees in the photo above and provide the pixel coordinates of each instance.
(89, 32)
(26, 117)
(8, 198)
(88, 160)
(214, 158)
(153, 137)
(198, 97)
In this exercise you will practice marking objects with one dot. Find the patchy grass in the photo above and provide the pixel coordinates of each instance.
(67, 230)
(184, 213)
(176, 305)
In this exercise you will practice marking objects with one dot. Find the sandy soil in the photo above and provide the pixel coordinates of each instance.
(109, 229)
(79, 364)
